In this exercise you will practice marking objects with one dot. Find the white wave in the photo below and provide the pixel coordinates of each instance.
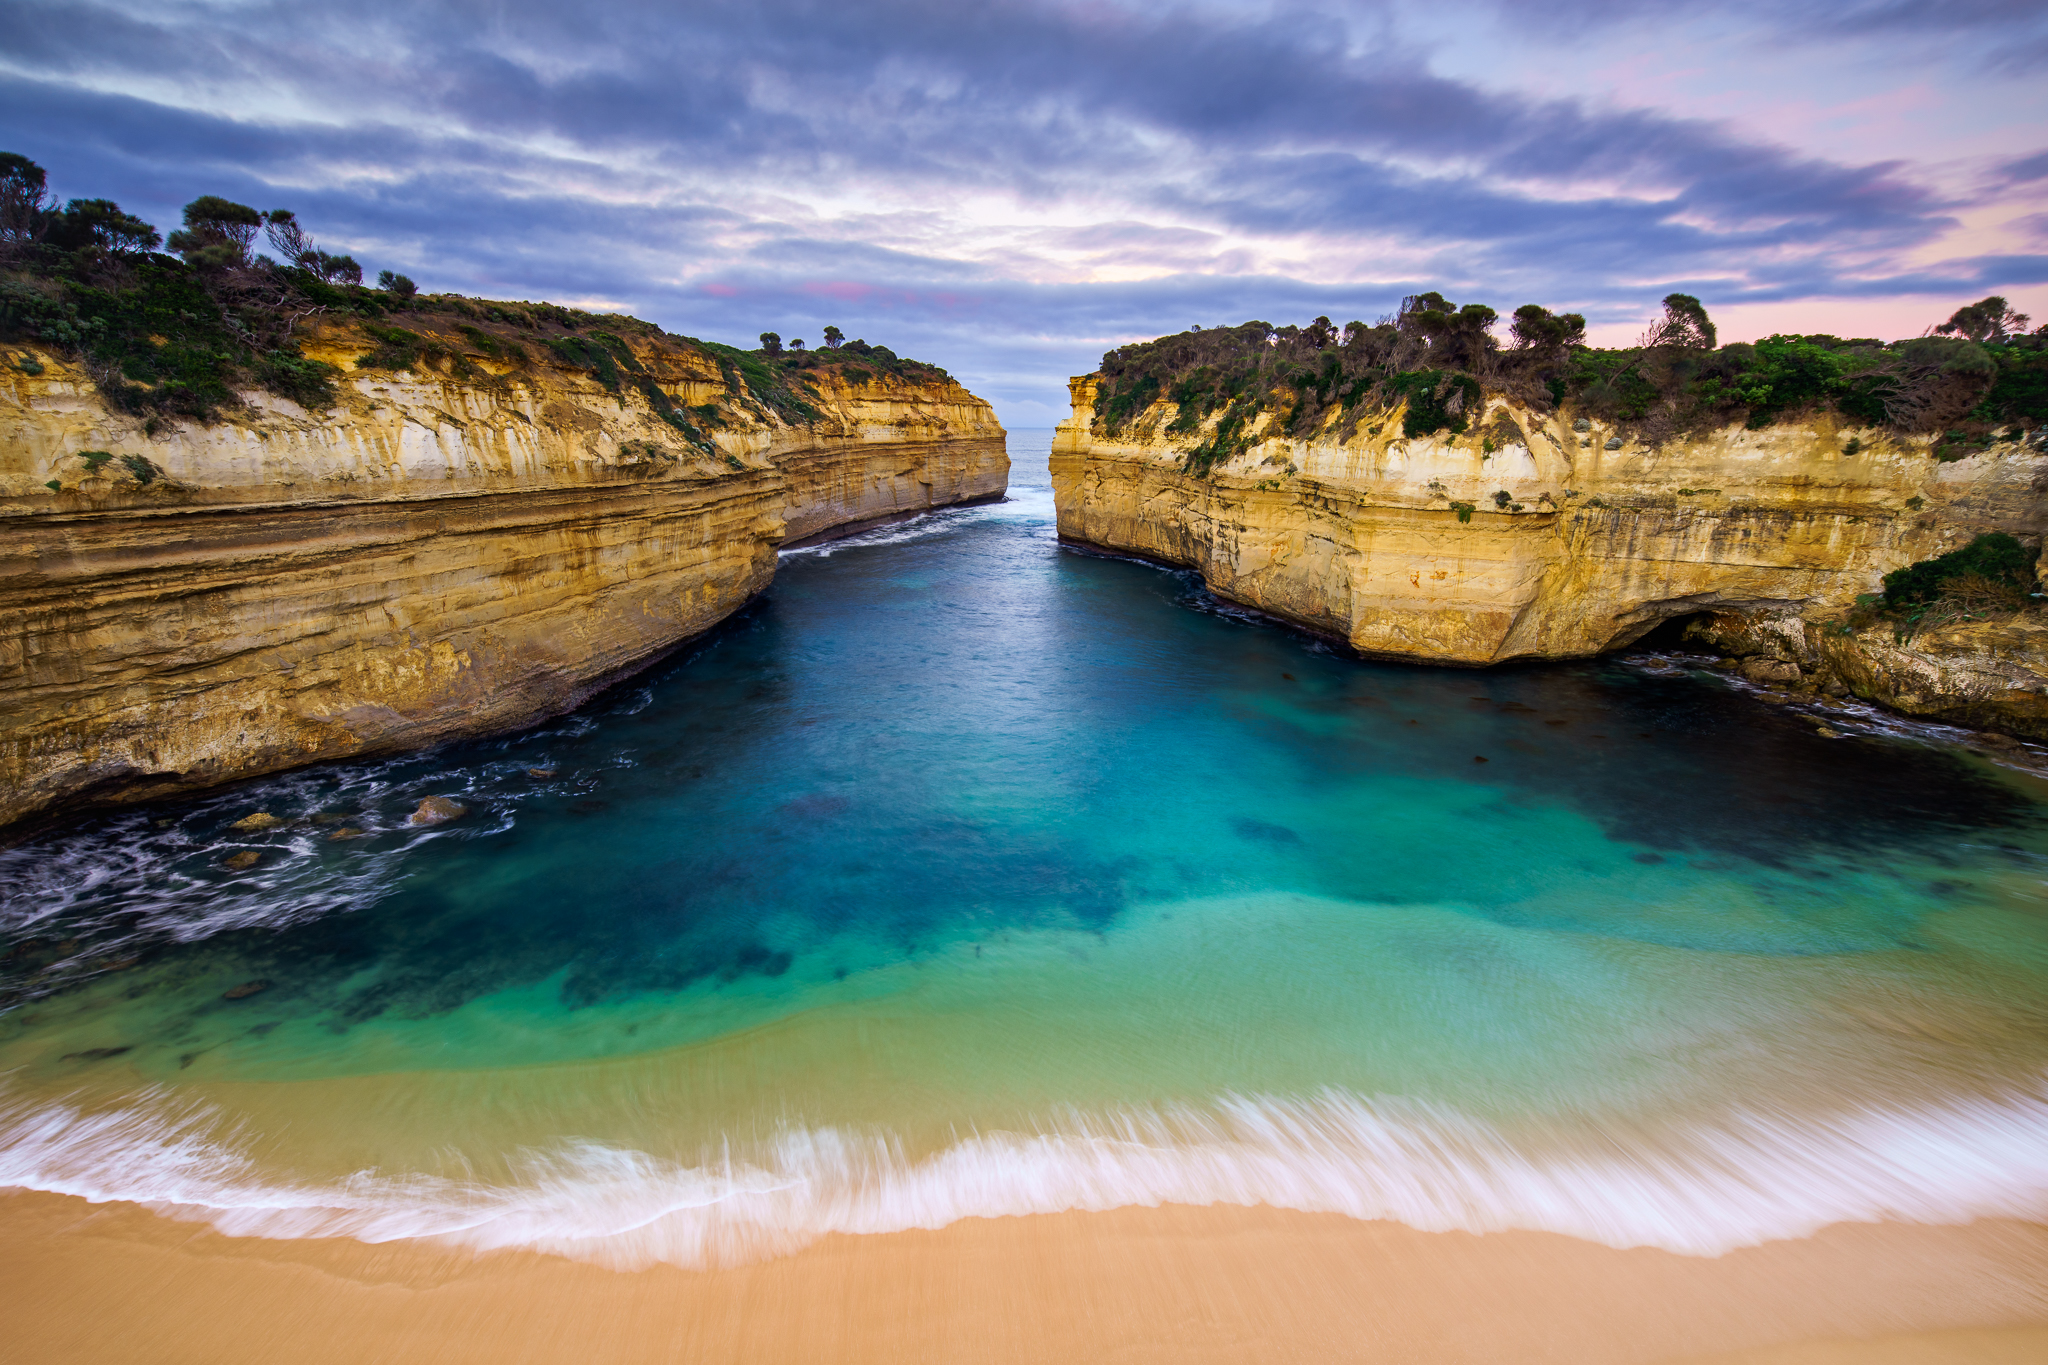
(1751, 1178)
(1021, 504)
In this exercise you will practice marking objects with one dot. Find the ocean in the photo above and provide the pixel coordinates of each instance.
(966, 874)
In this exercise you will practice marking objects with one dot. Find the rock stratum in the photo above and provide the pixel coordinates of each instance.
(1539, 535)
(465, 544)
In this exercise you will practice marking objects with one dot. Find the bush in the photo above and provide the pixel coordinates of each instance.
(1437, 400)
(309, 383)
(1995, 558)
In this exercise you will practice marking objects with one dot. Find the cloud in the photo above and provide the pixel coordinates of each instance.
(1006, 188)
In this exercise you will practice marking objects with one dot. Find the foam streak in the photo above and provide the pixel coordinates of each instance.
(1747, 1180)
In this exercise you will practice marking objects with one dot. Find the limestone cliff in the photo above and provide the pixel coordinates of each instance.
(469, 541)
(1539, 536)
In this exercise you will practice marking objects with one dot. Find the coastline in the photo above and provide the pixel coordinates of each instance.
(82, 1282)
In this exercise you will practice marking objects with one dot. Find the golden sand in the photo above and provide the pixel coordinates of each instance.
(115, 1283)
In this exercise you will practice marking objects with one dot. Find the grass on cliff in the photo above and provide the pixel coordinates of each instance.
(182, 333)
(1979, 379)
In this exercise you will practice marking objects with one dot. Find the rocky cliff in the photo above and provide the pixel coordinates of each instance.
(1543, 536)
(474, 536)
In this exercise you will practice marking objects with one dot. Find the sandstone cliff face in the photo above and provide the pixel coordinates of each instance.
(1569, 542)
(435, 556)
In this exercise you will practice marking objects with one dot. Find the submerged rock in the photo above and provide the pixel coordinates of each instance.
(261, 819)
(237, 862)
(245, 990)
(345, 832)
(437, 810)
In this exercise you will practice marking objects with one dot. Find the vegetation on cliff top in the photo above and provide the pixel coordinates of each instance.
(1974, 378)
(1992, 578)
(180, 334)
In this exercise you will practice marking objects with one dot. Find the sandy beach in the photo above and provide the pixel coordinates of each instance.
(106, 1283)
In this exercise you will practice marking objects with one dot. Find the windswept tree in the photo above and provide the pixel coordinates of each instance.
(833, 336)
(287, 237)
(1684, 325)
(333, 269)
(1456, 337)
(101, 225)
(218, 233)
(24, 201)
(394, 283)
(771, 343)
(1991, 319)
(1536, 329)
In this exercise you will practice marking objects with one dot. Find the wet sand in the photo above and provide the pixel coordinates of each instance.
(116, 1283)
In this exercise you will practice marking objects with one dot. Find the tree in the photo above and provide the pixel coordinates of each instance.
(289, 239)
(1456, 336)
(1536, 328)
(797, 345)
(24, 202)
(771, 343)
(396, 284)
(1684, 324)
(833, 336)
(217, 233)
(101, 225)
(1990, 319)
(333, 269)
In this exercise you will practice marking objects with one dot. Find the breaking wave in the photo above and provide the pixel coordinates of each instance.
(1750, 1178)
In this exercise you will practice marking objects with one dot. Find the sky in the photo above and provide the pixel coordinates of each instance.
(1008, 188)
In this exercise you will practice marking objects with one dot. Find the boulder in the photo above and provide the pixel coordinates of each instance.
(1761, 670)
(261, 819)
(438, 810)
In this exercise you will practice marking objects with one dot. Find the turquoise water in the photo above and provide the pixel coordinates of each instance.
(964, 874)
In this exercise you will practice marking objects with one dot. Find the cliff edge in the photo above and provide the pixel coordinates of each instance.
(490, 512)
(1528, 530)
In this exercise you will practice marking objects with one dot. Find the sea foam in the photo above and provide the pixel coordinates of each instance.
(1749, 1178)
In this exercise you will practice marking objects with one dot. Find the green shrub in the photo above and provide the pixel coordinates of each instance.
(309, 383)
(1437, 400)
(1995, 556)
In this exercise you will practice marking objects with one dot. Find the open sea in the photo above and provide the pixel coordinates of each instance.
(962, 874)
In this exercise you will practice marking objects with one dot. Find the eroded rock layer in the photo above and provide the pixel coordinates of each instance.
(1535, 536)
(436, 556)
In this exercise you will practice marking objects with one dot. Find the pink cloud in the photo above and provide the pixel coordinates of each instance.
(842, 291)
(720, 291)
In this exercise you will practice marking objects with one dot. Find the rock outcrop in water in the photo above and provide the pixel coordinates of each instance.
(1540, 535)
(466, 542)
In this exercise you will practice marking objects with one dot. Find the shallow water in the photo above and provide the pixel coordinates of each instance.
(966, 874)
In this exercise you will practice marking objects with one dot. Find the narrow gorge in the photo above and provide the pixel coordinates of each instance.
(488, 525)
